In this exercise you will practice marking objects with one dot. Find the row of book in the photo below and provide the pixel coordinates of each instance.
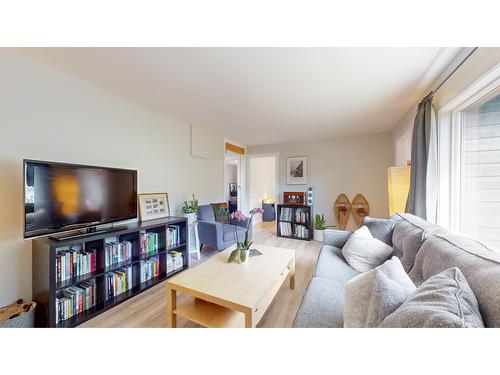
(173, 235)
(148, 243)
(301, 215)
(118, 282)
(150, 268)
(72, 301)
(285, 228)
(174, 261)
(72, 263)
(117, 253)
(301, 231)
(286, 213)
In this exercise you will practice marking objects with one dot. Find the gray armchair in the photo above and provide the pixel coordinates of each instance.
(217, 235)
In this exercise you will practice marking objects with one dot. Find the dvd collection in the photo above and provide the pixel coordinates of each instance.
(75, 300)
(72, 263)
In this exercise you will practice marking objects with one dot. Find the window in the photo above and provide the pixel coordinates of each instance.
(468, 162)
(480, 169)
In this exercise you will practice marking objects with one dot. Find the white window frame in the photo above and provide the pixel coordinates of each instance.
(450, 145)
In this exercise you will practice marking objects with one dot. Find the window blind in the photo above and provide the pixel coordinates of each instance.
(480, 170)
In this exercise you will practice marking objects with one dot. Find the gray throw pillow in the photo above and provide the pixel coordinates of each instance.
(381, 229)
(444, 300)
(373, 295)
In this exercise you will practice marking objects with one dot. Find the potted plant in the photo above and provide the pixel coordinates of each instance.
(319, 227)
(242, 252)
(190, 209)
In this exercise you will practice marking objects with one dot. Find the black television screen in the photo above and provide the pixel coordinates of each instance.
(59, 197)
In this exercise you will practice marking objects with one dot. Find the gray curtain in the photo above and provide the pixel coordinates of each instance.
(416, 203)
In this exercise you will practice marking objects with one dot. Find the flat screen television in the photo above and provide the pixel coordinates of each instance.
(60, 197)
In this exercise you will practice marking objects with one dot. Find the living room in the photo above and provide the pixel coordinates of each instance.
(317, 184)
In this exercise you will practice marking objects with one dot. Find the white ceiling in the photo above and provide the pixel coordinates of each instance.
(264, 95)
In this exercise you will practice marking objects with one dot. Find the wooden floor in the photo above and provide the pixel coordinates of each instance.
(148, 310)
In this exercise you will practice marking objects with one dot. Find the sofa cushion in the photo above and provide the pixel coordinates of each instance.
(363, 252)
(371, 296)
(394, 270)
(381, 229)
(479, 265)
(408, 235)
(443, 301)
(322, 305)
(332, 265)
(229, 235)
(221, 212)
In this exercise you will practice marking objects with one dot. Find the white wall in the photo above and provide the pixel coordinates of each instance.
(261, 180)
(45, 114)
(348, 165)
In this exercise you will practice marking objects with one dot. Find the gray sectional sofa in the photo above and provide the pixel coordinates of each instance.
(424, 250)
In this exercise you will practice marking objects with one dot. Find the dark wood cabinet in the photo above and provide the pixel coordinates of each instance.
(294, 221)
(46, 287)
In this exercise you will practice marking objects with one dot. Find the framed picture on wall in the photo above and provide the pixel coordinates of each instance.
(153, 206)
(296, 170)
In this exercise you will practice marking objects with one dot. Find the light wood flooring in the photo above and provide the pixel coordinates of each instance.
(148, 310)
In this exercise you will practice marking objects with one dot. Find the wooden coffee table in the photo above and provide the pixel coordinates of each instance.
(225, 294)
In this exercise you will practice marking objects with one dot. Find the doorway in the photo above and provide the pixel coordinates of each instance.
(233, 164)
(263, 184)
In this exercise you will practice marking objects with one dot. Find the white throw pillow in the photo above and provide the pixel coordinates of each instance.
(363, 252)
(371, 296)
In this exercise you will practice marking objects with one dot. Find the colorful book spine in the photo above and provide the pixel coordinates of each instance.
(148, 243)
(71, 264)
(75, 300)
(118, 282)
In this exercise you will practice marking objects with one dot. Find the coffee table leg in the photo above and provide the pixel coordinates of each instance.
(248, 319)
(171, 306)
(291, 267)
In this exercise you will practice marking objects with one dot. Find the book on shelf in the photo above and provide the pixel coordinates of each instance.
(117, 253)
(72, 263)
(149, 242)
(118, 282)
(301, 215)
(286, 213)
(285, 228)
(176, 260)
(301, 231)
(149, 268)
(74, 300)
(173, 235)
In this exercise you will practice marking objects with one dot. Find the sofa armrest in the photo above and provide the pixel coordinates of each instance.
(210, 232)
(336, 238)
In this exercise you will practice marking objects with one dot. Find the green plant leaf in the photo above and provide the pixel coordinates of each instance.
(243, 256)
(233, 255)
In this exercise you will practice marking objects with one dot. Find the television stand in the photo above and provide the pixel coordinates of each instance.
(88, 232)
(50, 287)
